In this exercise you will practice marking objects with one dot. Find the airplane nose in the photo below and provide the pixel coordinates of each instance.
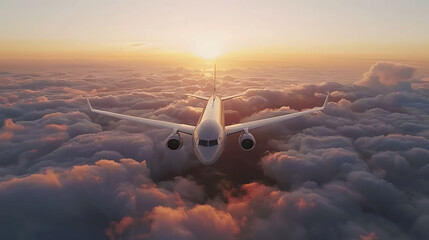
(208, 155)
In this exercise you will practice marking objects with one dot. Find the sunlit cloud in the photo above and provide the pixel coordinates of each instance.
(116, 179)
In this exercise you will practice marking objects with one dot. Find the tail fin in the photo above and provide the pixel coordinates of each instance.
(214, 81)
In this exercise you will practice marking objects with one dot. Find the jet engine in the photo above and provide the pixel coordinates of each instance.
(246, 141)
(174, 141)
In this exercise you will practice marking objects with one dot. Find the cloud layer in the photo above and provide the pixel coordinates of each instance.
(359, 170)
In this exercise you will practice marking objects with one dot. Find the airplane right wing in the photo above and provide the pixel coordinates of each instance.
(188, 129)
(263, 122)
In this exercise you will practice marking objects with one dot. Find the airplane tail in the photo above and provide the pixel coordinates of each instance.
(214, 81)
(214, 90)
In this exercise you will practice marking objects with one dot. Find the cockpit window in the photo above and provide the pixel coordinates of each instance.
(209, 143)
(202, 142)
(213, 142)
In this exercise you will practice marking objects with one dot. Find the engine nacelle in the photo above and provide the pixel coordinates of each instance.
(174, 141)
(246, 141)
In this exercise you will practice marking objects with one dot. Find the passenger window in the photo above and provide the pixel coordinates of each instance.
(202, 143)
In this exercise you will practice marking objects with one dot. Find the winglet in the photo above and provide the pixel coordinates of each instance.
(326, 100)
(89, 104)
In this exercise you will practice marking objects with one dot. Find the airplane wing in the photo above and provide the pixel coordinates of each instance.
(188, 129)
(263, 122)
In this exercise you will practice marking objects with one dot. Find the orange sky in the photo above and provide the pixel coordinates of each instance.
(230, 30)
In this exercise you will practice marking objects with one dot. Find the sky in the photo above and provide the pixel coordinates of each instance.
(356, 170)
(172, 30)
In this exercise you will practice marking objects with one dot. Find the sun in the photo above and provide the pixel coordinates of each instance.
(208, 50)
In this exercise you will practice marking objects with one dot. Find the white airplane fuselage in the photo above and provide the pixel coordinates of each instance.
(209, 136)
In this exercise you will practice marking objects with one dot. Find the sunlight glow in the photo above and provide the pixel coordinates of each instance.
(229, 30)
(208, 50)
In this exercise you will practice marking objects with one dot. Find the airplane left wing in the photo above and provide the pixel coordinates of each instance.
(263, 122)
(188, 129)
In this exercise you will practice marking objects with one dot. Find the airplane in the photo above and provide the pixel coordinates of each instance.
(209, 135)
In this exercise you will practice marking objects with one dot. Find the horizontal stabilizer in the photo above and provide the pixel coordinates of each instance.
(233, 96)
(199, 97)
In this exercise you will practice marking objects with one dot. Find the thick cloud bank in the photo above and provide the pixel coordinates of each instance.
(358, 170)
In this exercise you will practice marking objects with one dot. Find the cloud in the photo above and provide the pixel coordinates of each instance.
(384, 74)
(293, 167)
(201, 221)
(5, 136)
(358, 170)
(54, 194)
(10, 125)
(137, 44)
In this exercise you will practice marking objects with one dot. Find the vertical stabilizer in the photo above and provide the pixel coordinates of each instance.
(214, 81)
